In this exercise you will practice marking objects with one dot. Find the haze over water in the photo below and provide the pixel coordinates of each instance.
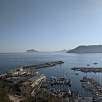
(49, 25)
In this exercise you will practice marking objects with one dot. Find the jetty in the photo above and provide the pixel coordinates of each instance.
(88, 69)
(44, 65)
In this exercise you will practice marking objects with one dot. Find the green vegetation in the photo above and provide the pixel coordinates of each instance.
(3, 91)
(29, 99)
(3, 95)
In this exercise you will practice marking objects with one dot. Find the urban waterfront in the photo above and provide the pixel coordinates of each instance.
(12, 60)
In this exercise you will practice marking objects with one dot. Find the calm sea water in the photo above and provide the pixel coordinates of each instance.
(12, 60)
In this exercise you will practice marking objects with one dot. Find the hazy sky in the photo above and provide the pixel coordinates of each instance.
(49, 25)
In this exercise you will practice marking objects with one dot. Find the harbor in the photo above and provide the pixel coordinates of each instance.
(91, 84)
(50, 50)
(27, 81)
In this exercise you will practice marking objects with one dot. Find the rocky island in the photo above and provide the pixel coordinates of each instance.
(87, 49)
(31, 50)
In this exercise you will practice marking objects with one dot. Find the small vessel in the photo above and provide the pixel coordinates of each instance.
(88, 64)
(95, 63)
(76, 73)
(84, 79)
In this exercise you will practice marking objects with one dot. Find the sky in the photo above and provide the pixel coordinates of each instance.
(49, 25)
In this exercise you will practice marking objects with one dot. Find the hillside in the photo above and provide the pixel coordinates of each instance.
(87, 49)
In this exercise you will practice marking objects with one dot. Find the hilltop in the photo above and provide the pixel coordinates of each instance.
(87, 49)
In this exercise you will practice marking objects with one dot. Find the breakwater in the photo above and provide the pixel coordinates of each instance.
(88, 69)
(48, 64)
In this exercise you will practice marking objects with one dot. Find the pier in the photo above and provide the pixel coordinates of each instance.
(48, 64)
(88, 69)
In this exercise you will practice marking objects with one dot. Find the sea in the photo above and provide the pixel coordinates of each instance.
(10, 61)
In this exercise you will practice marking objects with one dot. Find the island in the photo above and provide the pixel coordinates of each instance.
(87, 49)
(64, 50)
(31, 50)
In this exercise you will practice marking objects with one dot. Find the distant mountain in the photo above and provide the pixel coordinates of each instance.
(31, 50)
(87, 49)
(62, 51)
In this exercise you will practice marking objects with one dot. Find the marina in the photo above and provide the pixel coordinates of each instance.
(59, 86)
(55, 81)
(59, 81)
(91, 85)
(28, 81)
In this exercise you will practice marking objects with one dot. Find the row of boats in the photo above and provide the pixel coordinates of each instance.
(91, 85)
(59, 81)
(59, 86)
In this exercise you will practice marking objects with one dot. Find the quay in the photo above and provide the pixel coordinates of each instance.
(48, 64)
(88, 69)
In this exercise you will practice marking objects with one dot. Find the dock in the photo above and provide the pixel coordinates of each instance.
(48, 64)
(88, 69)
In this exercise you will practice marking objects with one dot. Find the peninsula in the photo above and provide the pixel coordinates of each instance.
(87, 49)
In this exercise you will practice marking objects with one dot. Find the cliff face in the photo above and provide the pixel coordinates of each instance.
(87, 49)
